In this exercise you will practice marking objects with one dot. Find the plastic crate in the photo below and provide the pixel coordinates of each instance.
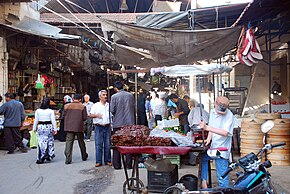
(159, 181)
(174, 159)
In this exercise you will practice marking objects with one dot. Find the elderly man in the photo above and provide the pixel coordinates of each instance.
(101, 119)
(122, 108)
(14, 115)
(74, 116)
(88, 123)
(220, 128)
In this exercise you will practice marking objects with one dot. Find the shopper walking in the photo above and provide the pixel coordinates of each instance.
(45, 125)
(141, 109)
(14, 115)
(89, 122)
(101, 119)
(122, 108)
(74, 116)
(61, 135)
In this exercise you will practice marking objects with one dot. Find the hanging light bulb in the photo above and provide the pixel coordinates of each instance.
(124, 5)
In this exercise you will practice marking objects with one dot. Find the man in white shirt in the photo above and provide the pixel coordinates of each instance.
(101, 119)
(88, 123)
(220, 128)
(159, 111)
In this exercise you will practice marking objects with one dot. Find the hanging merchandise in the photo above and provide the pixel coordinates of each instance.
(38, 83)
(248, 48)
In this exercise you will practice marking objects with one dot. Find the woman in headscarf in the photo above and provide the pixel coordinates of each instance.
(46, 128)
(61, 136)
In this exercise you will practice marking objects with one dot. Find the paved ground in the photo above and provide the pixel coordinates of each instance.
(20, 174)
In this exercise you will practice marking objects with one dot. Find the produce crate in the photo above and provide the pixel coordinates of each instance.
(159, 181)
(174, 159)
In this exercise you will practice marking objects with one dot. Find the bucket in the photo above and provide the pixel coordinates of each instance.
(189, 181)
(280, 133)
(251, 135)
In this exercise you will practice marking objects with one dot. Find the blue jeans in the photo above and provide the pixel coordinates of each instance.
(221, 165)
(102, 140)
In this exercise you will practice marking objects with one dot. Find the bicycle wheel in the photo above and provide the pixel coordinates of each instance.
(132, 187)
(173, 190)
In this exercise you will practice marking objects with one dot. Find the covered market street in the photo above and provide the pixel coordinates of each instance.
(20, 172)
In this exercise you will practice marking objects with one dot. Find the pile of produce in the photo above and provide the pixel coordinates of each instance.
(158, 141)
(137, 135)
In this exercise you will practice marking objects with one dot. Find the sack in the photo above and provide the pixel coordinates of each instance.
(33, 139)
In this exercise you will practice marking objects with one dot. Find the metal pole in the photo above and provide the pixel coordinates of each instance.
(213, 82)
(136, 97)
(200, 108)
(108, 86)
(270, 69)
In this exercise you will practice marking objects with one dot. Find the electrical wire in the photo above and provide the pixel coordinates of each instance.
(91, 6)
(89, 30)
(68, 1)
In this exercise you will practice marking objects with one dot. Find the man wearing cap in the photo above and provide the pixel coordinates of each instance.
(220, 128)
(122, 109)
(14, 115)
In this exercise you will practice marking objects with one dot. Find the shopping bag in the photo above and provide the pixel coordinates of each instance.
(33, 139)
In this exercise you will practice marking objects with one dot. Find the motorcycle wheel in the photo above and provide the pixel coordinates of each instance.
(271, 189)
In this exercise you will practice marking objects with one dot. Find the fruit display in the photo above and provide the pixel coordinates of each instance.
(158, 141)
(137, 135)
(175, 129)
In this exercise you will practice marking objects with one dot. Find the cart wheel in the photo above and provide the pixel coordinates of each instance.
(173, 190)
(132, 188)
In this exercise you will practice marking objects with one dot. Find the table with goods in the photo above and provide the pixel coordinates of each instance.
(137, 140)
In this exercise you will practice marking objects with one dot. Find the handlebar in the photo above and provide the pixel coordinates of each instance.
(231, 167)
(226, 173)
(278, 144)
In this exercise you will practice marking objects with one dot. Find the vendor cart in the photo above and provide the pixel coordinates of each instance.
(133, 184)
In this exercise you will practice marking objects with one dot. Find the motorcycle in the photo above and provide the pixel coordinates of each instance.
(255, 178)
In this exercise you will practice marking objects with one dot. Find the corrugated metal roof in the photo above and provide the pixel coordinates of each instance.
(89, 18)
(34, 27)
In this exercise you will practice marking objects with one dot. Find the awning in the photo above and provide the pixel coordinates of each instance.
(170, 47)
(130, 56)
(35, 27)
(187, 70)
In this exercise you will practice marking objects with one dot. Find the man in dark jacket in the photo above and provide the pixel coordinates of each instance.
(14, 115)
(182, 112)
(74, 116)
(122, 108)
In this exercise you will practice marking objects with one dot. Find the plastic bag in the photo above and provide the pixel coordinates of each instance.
(33, 139)
(39, 84)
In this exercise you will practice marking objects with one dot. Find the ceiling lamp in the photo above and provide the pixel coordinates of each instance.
(124, 5)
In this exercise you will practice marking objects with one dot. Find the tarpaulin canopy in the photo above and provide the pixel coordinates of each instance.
(171, 47)
(130, 56)
(187, 70)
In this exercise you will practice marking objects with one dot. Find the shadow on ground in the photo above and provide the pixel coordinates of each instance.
(101, 179)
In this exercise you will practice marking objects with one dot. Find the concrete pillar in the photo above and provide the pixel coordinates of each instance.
(3, 66)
